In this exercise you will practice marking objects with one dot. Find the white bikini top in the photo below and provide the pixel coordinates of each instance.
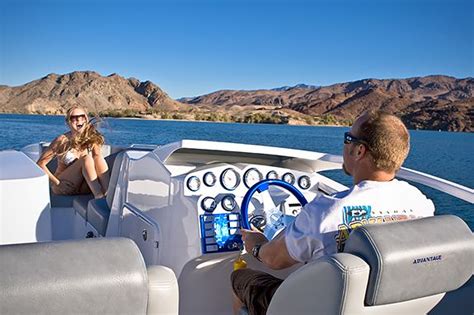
(68, 158)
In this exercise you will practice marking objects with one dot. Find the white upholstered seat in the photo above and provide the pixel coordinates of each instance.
(397, 268)
(92, 276)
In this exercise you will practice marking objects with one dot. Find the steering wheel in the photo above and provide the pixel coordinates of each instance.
(274, 219)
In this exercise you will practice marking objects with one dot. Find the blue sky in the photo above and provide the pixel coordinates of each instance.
(195, 47)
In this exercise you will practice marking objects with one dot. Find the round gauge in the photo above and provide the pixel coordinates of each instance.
(258, 221)
(289, 178)
(228, 203)
(304, 182)
(209, 179)
(230, 179)
(193, 183)
(208, 204)
(272, 175)
(251, 177)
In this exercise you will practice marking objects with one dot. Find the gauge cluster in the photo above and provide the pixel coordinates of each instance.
(232, 179)
(224, 202)
(220, 190)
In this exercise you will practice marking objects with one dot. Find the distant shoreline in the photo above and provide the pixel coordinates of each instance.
(150, 117)
(221, 122)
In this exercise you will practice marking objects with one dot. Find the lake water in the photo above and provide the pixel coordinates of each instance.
(444, 154)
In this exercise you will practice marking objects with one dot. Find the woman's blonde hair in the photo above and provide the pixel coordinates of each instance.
(89, 137)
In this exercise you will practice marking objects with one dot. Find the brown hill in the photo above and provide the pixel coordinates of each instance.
(432, 102)
(54, 93)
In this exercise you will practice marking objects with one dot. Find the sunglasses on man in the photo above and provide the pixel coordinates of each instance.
(348, 139)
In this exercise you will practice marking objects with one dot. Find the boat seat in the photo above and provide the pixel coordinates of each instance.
(79, 203)
(92, 276)
(97, 211)
(67, 201)
(402, 267)
(64, 201)
(94, 211)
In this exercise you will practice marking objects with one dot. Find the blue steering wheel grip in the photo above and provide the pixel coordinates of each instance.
(262, 186)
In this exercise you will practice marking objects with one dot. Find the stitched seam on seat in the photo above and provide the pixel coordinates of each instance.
(345, 279)
(344, 268)
(379, 264)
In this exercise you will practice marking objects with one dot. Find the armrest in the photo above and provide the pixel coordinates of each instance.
(163, 293)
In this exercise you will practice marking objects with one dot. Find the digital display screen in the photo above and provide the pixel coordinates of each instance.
(221, 228)
(220, 232)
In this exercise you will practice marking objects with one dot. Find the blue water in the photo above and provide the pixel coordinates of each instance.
(444, 154)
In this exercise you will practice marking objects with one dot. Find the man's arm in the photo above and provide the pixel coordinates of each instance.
(272, 253)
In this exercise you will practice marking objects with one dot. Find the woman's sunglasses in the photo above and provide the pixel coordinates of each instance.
(76, 117)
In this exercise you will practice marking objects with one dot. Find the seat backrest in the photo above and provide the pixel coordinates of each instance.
(114, 167)
(319, 287)
(414, 259)
(402, 267)
(95, 276)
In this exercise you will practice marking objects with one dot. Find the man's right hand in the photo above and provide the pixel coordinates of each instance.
(252, 238)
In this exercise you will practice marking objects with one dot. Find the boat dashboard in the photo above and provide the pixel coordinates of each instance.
(214, 177)
(218, 190)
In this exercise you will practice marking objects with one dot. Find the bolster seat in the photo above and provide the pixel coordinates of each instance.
(98, 213)
(79, 203)
(91, 276)
(395, 268)
(98, 210)
(434, 255)
(64, 201)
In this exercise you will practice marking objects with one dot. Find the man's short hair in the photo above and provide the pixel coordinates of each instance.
(387, 138)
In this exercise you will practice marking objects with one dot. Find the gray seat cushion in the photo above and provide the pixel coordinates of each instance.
(414, 259)
(80, 204)
(94, 276)
(98, 213)
(61, 201)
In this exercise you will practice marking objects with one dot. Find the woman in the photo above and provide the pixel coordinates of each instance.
(81, 166)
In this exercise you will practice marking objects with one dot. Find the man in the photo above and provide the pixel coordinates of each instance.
(374, 150)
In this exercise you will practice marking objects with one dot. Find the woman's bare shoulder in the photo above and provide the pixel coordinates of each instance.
(61, 138)
(58, 141)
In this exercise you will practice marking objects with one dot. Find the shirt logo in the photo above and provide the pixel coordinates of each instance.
(354, 214)
(426, 259)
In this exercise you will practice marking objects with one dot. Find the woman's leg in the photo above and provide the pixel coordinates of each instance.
(84, 188)
(90, 174)
(70, 180)
(102, 171)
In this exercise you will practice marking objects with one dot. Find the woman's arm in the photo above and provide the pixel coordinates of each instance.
(96, 150)
(46, 157)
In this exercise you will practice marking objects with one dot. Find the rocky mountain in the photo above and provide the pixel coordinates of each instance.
(298, 86)
(432, 102)
(54, 93)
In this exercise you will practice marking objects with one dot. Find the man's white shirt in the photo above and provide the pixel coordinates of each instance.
(323, 225)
